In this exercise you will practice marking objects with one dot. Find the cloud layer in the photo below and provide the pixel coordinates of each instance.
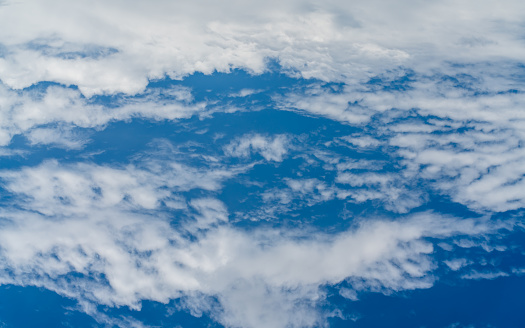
(95, 234)
(111, 47)
(401, 159)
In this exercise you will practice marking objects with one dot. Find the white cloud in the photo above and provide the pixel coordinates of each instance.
(245, 93)
(479, 168)
(127, 44)
(105, 224)
(56, 189)
(7, 152)
(116, 226)
(391, 189)
(465, 141)
(25, 110)
(484, 275)
(63, 138)
(456, 264)
(271, 148)
(211, 211)
(324, 103)
(398, 194)
(362, 141)
(348, 294)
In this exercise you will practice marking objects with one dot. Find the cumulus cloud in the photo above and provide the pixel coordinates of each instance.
(65, 107)
(456, 264)
(56, 189)
(59, 137)
(479, 166)
(462, 133)
(126, 45)
(271, 148)
(104, 226)
(433, 89)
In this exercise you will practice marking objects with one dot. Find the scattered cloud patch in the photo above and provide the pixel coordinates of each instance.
(400, 159)
(270, 148)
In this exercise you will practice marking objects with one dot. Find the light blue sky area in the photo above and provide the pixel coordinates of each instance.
(280, 165)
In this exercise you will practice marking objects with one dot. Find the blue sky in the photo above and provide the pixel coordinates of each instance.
(276, 164)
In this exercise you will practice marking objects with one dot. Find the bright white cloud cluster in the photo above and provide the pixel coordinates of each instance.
(55, 190)
(479, 166)
(435, 88)
(481, 170)
(22, 111)
(127, 44)
(271, 148)
(77, 219)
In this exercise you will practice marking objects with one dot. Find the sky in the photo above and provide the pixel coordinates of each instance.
(262, 164)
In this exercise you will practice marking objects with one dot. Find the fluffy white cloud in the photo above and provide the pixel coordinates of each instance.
(25, 110)
(271, 148)
(104, 224)
(59, 137)
(112, 46)
(437, 84)
(465, 140)
(55, 190)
